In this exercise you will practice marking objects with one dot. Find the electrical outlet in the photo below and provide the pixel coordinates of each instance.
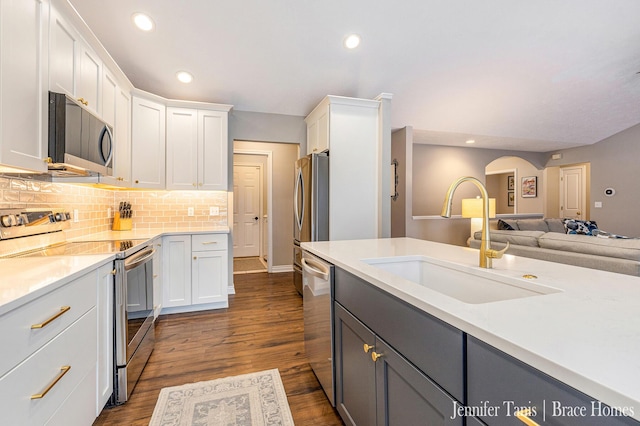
(108, 212)
(214, 211)
(190, 211)
(76, 216)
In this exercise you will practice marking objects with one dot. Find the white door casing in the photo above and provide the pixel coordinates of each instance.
(573, 192)
(247, 187)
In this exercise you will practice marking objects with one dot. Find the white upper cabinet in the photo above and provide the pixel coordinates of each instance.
(23, 67)
(318, 129)
(148, 144)
(182, 148)
(74, 68)
(64, 50)
(109, 97)
(212, 150)
(122, 133)
(90, 79)
(197, 147)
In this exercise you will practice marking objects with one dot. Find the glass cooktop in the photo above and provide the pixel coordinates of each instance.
(122, 248)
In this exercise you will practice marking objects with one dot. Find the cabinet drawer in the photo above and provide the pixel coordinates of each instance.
(206, 242)
(499, 380)
(74, 347)
(79, 296)
(432, 345)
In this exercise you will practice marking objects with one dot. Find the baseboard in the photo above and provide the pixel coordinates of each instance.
(281, 268)
(194, 308)
(231, 290)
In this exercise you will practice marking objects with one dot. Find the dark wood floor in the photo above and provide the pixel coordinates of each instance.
(262, 329)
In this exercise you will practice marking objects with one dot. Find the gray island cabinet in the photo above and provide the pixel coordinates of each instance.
(417, 376)
(397, 365)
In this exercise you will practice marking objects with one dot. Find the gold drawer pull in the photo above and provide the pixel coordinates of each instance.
(375, 356)
(63, 370)
(208, 242)
(44, 324)
(523, 416)
(367, 348)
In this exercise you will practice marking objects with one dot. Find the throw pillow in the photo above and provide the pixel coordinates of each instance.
(507, 225)
(580, 227)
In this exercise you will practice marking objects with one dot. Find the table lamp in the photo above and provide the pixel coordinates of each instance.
(472, 208)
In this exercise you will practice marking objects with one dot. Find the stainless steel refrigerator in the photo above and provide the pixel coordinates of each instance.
(310, 207)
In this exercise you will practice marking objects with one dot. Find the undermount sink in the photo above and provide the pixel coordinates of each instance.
(465, 283)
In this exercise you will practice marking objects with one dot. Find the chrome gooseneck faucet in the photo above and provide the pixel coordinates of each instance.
(486, 253)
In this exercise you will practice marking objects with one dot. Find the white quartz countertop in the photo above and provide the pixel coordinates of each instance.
(25, 279)
(141, 234)
(587, 335)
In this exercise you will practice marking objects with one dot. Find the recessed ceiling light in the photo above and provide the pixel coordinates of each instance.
(142, 21)
(351, 41)
(184, 77)
(470, 141)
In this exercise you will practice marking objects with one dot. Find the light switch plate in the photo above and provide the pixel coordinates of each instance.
(76, 216)
(214, 211)
(597, 204)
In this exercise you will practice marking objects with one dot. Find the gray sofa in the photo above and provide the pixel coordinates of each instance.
(545, 239)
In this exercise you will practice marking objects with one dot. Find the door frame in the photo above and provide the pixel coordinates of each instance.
(269, 179)
(585, 185)
(260, 203)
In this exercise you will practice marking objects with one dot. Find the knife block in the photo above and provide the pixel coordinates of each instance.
(120, 224)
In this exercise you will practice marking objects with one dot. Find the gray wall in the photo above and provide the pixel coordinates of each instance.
(614, 163)
(435, 167)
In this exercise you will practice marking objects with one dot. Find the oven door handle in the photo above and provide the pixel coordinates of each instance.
(138, 259)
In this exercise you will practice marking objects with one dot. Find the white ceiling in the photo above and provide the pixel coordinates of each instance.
(515, 74)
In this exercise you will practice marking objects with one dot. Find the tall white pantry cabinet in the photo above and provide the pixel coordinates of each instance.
(356, 134)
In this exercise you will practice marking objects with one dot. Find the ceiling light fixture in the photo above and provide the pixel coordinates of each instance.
(142, 21)
(352, 41)
(184, 77)
(470, 141)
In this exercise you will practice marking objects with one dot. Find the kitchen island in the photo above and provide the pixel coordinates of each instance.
(581, 330)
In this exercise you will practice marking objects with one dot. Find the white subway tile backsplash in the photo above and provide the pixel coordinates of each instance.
(151, 209)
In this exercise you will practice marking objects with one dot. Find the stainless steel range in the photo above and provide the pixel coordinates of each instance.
(37, 232)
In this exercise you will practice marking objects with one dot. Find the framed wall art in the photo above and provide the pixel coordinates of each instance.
(510, 199)
(511, 186)
(529, 187)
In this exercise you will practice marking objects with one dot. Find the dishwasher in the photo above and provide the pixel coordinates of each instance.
(317, 277)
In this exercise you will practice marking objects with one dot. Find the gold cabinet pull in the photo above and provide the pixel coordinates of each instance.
(375, 356)
(58, 314)
(195, 258)
(523, 416)
(367, 348)
(206, 243)
(63, 370)
(83, 101)
(114, 272)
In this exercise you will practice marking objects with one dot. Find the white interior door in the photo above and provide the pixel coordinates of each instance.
(573, 192)
(246, 210)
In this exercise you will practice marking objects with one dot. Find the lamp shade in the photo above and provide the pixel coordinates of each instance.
(472, 207)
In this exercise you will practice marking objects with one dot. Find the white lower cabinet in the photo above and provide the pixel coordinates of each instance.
(104, 369)
(195, 272)
(157, 277)
(54, 381)
(209, 269)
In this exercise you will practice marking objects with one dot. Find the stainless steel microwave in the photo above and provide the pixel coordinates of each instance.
(79, 142)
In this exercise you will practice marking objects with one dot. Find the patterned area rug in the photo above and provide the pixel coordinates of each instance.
(254, 399)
